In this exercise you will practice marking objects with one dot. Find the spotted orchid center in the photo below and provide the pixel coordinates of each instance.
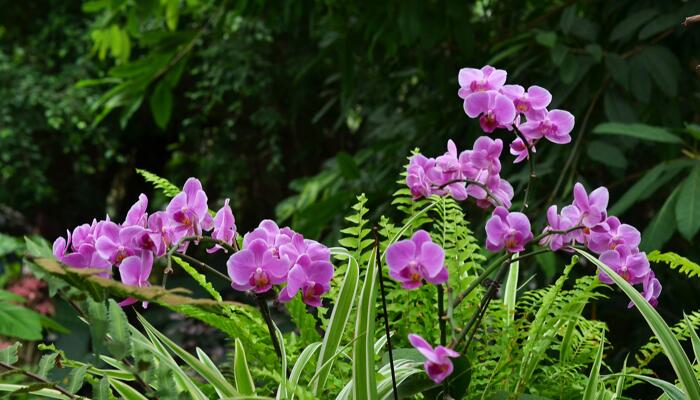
(479, 86)
(259, 279)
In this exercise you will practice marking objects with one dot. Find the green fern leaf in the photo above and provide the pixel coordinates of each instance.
(163, 184)
(675, 261)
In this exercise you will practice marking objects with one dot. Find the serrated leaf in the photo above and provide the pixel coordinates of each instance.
(97, 316)
(8, 355)
(46, 364)
(118, 328)
(76, 379)
(100, 389)
(638, 131)
(688, 205)
(201, 279)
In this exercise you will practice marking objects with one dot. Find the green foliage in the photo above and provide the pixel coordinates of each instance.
(684, 265)
(18, 321)
(163, 184)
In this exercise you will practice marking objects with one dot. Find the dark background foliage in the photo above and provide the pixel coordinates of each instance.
(293, 108)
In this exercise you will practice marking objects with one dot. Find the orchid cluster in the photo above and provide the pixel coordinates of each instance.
(133, 245)
(586, 222)
(270, 255)
(510, 107)
(473, 173)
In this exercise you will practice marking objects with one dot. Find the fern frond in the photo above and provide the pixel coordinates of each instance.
(163, 184)
(675, 261)
(649, 351)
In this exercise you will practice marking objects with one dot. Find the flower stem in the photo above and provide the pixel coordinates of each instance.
(531, 166)
(378, 261)
(477, 183)
(267, 316)
(479, 279)
(552, 232)
(208, 239)
(38, 378)
(441, 314)
(475, 319)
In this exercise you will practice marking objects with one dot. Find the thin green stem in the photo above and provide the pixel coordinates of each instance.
(208, 239)
(488, 271)
(531, 166)
(553, 232)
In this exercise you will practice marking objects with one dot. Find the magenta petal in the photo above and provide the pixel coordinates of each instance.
(320, 272)
(192, 186)
(420, 237)
(295, 280)
(539, 97)
(423, 347)
(564, 121)
(129, 270)
(399, 254)
(241, 266)
(477, 103)
(504, 110)
(441, 277)
(432, 258)
(468, 75)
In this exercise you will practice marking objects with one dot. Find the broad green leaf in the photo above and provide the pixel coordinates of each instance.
(618, 109)
(592, 385)
(241, 373)
(663, 67)
(172, 13)
(638, 131)
(640, 81)
(161, 102)
(661, 228)
(607, 154)
(118, 328)
(672, 349)
(618, 68)
(658, 25)
(688, 205)
(649, 184)
(629, 26)
(547, 39)
(19, 322)
(337, 323)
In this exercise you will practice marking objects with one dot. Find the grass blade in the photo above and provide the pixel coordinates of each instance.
(337, 323)
(363, 373)
(299, 366)
(592, 386)
(241, 373)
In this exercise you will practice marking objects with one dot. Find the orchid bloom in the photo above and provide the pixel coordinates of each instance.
(137, 213)
(536, 97)
(437, 364)
(472, 80)
(631, 264)
(189, 211)
(413, 260)
(612, 233)
(555, 126)
(134, 271)
(509, 230)
(495, 110)
(256, 267)
(593, 207)
(224, 226)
